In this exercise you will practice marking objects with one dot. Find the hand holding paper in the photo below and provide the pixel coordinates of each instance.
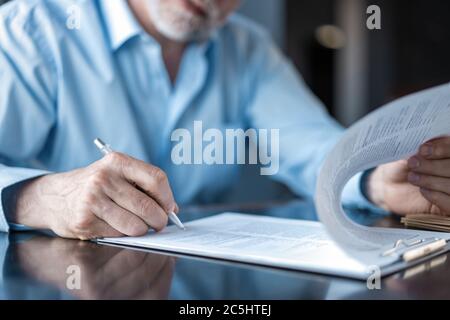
(418, 185)
(430, 170)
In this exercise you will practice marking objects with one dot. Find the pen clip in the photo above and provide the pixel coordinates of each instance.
(406, 244)
(424, 250)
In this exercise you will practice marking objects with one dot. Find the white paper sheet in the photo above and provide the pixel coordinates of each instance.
(391, 133)
(294, 244)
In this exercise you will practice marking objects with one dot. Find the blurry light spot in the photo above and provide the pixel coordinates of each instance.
(330, 37)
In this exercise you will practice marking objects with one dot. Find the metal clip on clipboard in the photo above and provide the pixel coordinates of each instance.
(415, 249)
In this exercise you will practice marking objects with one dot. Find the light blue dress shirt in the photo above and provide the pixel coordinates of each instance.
(61, 87)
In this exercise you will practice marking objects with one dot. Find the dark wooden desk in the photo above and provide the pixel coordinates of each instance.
(36, 264)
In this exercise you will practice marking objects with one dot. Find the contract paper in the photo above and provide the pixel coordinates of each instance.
(286, 243)
(391, 133)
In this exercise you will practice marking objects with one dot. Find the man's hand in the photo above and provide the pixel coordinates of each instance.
(101, 200)
(420, 184)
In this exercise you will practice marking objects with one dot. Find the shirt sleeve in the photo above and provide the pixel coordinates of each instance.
(26, 102)
(281, 100)
(353, 195)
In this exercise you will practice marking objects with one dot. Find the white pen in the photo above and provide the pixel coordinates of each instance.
(105, 149)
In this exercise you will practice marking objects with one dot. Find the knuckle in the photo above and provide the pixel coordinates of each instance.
(82, 224)
(439, 151)
(115, 159)
(154, 215)
(159, 175)
(145, 206)
(132, 226)
(89, 200)
(99, 179)
(135, 228)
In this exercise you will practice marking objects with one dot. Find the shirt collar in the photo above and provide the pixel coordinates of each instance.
(120, 23)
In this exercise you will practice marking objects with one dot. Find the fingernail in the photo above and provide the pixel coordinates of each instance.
(413, 163)
(413, 177)
(426, 150)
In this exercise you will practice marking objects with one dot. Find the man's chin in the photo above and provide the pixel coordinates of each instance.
(184, 36)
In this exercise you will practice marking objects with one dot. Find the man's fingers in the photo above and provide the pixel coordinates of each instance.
(90, 227)
(152, 180)
(436, 149)
(101, 229)
(138, 203)
(439, 168)
(118, 218)
(439, 199)
(432, 183)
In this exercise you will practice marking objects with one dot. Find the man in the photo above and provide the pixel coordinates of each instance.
(131, 73)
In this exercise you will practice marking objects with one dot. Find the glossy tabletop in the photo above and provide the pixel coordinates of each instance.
(38, 266)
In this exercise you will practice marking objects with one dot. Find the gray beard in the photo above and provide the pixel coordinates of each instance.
(192, 28)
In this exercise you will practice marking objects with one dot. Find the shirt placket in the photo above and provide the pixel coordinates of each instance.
(190, 81)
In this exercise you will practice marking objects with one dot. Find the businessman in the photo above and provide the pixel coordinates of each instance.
(133, 71)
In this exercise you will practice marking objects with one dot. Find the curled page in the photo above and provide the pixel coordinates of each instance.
(391, 133)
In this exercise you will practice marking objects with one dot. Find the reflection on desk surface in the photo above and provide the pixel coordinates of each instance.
(36, 267)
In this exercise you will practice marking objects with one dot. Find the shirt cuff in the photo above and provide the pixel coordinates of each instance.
(10, 178)
(353, 195)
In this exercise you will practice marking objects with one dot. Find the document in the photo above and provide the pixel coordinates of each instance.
(391, 133)
(337, 245)
(293, 244)
(285, 243)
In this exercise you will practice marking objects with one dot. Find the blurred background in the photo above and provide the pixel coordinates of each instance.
(352, 69)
